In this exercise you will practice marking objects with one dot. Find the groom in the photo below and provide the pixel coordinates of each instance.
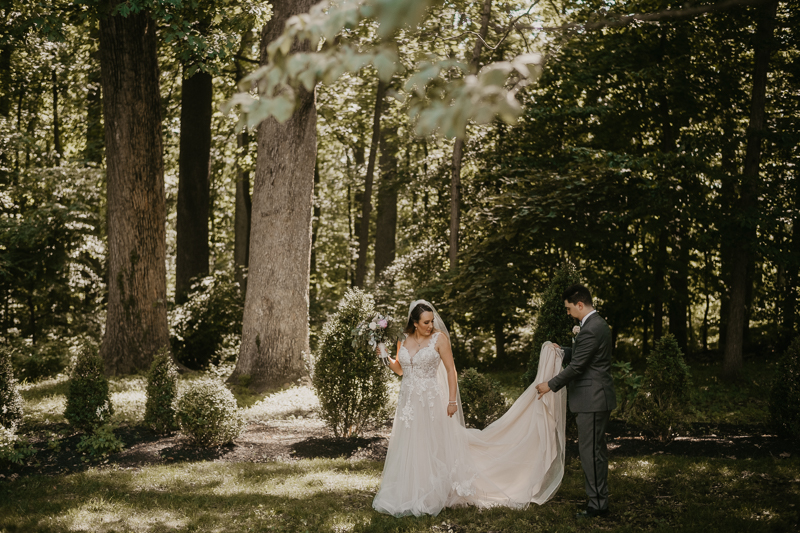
(590, 394)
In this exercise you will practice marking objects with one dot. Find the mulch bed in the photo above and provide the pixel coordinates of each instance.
(288, 440)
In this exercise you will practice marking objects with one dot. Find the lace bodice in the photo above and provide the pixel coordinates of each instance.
(422, 364)
(419, 387)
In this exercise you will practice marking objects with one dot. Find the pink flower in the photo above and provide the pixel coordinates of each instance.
(383, 323)
(576, 330)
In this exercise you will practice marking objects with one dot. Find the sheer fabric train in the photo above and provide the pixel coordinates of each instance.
(433, 461)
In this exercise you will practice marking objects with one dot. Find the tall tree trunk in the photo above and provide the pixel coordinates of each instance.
(242, 213)
(458, 148)
(679, 282)
(191, 259)
(659, 286)
(792, 273)
(314, 231)
(366, 202)
(500, 342)
(5, 103)
(275, 323)
(244, 205)
(386, 227)
(56, 131)
(93, 152)
(743, 247)
(5, 80)
(136, 319)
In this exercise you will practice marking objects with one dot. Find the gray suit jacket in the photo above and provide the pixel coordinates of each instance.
(588, 369)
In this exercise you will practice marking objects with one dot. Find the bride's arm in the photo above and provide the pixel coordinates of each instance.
(446, 353)
(394, 364)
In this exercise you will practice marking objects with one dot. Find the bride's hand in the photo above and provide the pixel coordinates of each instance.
(451, 409)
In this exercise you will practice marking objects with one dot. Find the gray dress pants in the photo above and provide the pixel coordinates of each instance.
(594, 456)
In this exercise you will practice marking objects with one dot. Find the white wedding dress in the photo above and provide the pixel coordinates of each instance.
(433, 461)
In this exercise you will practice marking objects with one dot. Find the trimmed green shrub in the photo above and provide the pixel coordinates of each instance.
(162, 391)
(552, 321)
(10, 399)
(208, 413)
(784, 400)
(13, 449)
(663, 400)
(349, 380)
(200, 326)
(88, 399)
(101, 442)
(480, 399)
(626, 384)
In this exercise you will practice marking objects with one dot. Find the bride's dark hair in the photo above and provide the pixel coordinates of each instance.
(416, 313)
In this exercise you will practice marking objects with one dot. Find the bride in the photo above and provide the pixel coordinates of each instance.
(434, 461)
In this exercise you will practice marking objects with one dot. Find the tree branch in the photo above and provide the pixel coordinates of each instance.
(669, 14)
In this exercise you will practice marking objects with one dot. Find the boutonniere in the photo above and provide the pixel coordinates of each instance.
(575, 331)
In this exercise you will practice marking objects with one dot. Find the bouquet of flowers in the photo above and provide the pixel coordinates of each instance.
(378, 331)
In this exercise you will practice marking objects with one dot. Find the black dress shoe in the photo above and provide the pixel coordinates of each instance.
(592, 513)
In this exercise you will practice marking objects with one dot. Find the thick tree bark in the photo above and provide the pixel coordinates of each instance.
(136, 320)
(275, 324)
(193, 182)
(458, 147)
(366, 202)
(386, 227)
(242, 214)
(743, 247)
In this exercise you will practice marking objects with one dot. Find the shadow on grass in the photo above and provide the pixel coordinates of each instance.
(331, 448)
(335, 495)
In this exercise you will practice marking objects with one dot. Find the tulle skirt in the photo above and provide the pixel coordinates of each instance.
(434, 462)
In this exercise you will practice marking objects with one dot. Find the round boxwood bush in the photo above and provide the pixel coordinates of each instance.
(784, 401)
(162, 391)
(10, 399)
(480, 399)
(348, 377)
(88, 400)
(208, 414)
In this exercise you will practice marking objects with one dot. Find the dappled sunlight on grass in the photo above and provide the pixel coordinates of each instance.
(663, 493)
(128, 406)
(293, 402)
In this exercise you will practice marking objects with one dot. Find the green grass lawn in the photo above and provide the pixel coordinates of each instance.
(660, 493)
(648, 493)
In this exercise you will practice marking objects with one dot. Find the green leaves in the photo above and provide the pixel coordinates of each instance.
(441, 99)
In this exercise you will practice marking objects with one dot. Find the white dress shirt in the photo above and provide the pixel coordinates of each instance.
(587, 316)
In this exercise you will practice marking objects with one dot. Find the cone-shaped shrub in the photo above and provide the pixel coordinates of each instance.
(480, 399)
(162, 392)
(10, 399)
(784, 401)
(552, 321)
(208, 413)
(349, 380)
(88, 399)
(662, 402)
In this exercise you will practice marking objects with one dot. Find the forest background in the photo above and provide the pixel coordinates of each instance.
(659, 155)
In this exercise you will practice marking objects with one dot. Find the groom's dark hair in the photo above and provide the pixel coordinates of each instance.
(578, 293)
